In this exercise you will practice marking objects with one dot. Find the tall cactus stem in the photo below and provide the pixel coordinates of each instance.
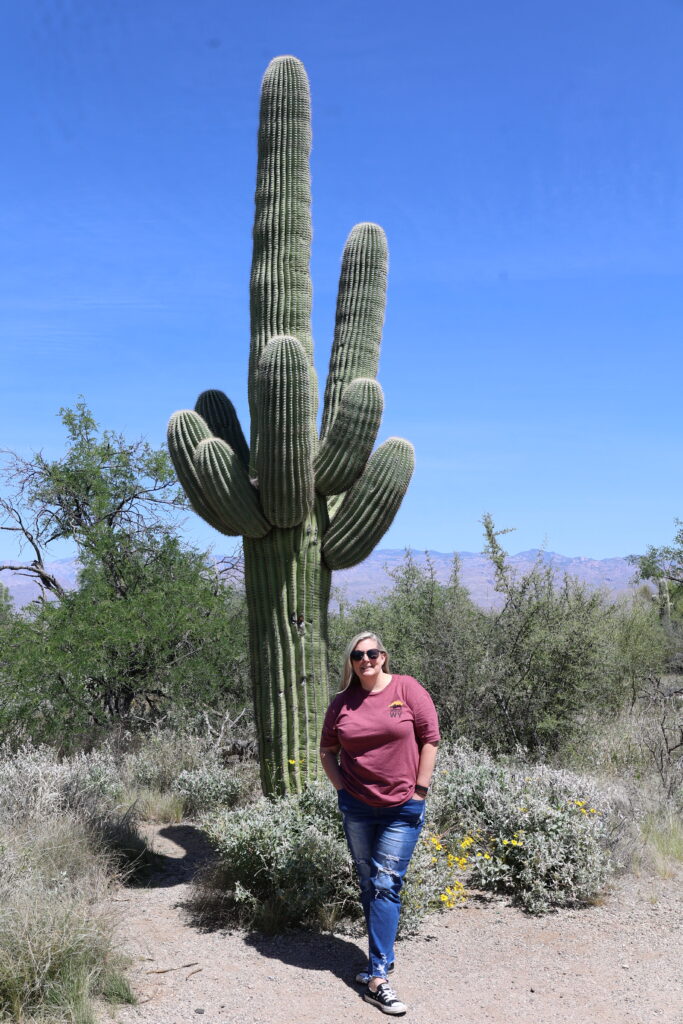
(280, 287)
(288, 589)
(284, 461)
(361, 300)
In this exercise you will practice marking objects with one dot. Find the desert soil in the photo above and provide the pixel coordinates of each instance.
(620, 962)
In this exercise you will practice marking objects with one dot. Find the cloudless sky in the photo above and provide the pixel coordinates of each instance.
(525, 160)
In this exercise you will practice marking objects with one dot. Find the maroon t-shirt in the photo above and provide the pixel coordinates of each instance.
(380, 735)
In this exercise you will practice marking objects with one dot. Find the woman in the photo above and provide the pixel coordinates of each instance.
(387, 731)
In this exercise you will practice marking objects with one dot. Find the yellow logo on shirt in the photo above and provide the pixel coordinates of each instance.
(395, 708)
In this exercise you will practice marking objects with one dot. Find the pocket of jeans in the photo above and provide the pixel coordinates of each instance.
(416, 809)
(341, 793)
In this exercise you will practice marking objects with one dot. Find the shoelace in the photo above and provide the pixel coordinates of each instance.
(387, 992)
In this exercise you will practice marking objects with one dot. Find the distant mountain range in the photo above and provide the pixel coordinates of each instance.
(372, 576)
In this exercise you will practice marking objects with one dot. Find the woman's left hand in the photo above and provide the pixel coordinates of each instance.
(418, 796)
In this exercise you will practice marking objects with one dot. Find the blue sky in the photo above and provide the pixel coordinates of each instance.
(525, 160)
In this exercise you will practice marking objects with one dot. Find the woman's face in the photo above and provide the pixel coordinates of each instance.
(368, 670)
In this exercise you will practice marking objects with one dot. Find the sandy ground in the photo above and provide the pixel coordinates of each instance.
(617, 963)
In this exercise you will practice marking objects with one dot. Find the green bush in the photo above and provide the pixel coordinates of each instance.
(281, 863)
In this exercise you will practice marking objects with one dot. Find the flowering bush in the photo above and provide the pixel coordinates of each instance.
(541, 835)
(285, 863)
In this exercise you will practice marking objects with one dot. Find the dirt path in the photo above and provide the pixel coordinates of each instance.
(619, 963)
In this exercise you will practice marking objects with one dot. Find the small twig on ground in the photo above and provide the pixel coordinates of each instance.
(165, 970)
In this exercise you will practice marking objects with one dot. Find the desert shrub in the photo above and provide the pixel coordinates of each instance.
(36, 780)
(57, 948)
(281, 863)
(210, 786)
(545, 837)
(531, 672)
(285, 864)
(160, 756)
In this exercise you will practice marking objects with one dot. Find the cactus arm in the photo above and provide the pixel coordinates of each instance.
(368, 509)
(186, 429)
(226, 487)
(280, 286)
(346, 449)
(361, 300)
(284, 460)
(220, 416)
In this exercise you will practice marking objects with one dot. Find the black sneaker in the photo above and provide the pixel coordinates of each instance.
(363, 977)
(385, 999)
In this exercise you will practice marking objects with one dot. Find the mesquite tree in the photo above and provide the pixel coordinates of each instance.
(304, 504)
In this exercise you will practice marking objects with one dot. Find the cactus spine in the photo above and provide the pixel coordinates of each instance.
(304, 505)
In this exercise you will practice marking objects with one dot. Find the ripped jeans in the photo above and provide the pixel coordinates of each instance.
(381, 841)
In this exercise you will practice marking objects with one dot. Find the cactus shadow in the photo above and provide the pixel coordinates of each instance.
(177, 853)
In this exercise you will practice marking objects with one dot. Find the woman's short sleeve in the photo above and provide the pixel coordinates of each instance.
(424, 714)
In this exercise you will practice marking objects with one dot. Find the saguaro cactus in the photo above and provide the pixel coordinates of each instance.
(304, 504)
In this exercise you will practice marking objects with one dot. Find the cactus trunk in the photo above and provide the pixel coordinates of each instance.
(304, 505)
(288, 590)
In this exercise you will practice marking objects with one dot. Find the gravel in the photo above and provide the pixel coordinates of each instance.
(615, 963)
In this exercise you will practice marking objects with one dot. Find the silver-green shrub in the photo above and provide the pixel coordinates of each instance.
(34, 780)
(281, 863)
(544, 837)
(208, 787)
(161, 756)
(541, 835)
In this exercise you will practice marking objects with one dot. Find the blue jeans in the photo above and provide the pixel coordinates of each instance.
(381, 841)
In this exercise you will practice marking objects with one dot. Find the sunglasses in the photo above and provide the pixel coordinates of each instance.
(372, 655)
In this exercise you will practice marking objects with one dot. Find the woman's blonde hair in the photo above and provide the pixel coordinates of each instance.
(348, 674)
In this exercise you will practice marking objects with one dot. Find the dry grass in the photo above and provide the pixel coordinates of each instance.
(152, 804)
(57, 945)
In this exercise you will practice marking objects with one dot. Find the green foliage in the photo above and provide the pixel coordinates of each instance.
(95, 658)
(663, 563)
(531, 673)
(151, 624)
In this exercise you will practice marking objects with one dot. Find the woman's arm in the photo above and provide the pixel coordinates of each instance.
(328, 756)
(425, 768)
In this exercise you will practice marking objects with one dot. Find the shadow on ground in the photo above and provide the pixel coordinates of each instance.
(178, 852)
(311, 951)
